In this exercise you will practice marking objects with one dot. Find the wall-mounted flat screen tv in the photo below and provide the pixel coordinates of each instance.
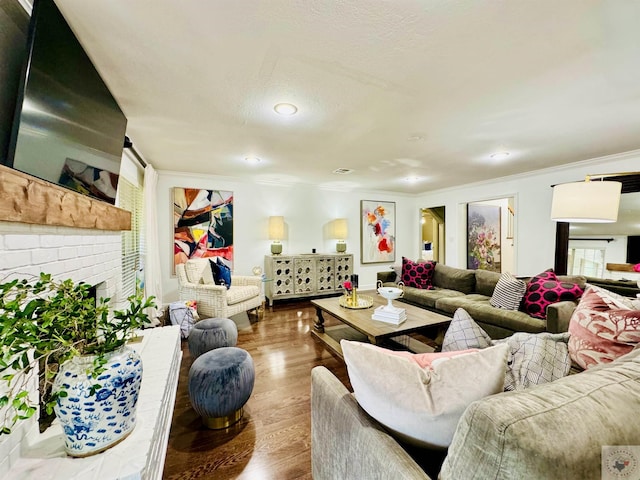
(68, 129)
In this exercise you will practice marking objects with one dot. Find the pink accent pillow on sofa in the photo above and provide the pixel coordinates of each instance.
(417, 274)
(545, 289)
(603, 327)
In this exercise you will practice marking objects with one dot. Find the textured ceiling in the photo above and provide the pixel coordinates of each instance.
(390, 89)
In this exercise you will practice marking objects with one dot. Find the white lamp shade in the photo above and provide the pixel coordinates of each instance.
(586, 202)
(340, 230)
(276, 228)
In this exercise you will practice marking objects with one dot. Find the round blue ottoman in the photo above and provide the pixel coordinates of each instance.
(212, 333)
(220, 383)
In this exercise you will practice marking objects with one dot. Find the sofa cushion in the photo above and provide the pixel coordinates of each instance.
(533, 358)
(417, 274)
(555, 430)
(508, 292)
(240, 293)
(486, 282)
(421, 406)
(428, 298)
(545, 289)
(603, 326)
(454, 278)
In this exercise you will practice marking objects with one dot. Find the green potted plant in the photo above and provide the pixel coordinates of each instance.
(75, 341)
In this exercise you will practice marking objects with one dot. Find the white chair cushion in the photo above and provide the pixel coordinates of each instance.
(237, 294)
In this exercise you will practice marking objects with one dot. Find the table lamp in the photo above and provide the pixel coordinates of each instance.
(340, 233)
(276, 233)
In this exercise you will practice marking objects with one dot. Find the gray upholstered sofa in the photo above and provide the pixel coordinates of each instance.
(550, 431)
(472, 289)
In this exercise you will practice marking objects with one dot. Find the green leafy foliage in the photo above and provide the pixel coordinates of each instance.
(47, 322)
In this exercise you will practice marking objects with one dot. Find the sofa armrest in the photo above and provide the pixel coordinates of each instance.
(558, 316)
(346, 443)
(387, 276)
(245, 280)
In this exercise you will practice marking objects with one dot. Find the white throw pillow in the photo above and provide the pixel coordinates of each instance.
(422, 406)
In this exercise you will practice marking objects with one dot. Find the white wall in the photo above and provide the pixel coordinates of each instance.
(534, 230)
(307, 211)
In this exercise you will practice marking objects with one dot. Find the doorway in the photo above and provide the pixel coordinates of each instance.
(432, 234)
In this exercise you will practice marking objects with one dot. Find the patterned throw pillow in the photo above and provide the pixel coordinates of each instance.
(536, 358)
(603, 327)
(508, 292)
(464, 333)
(417, 274)
(545, 289)
(533, 358)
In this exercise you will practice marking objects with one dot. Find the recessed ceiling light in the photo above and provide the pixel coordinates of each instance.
(499, 155)
(285, 109)
(253, 160)
(415, 138)
(342, 171)
(413, 179)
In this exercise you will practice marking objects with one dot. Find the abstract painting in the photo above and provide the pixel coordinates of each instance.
(483, 237)
(203, 225)
(377, 231)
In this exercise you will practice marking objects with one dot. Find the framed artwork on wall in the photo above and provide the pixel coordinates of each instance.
(202, 225)
(377, 231)
(483, 237)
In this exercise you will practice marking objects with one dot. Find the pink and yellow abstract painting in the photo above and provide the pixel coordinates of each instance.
(377, 231)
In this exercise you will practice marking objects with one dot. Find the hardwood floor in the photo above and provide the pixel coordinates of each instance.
(273, 439)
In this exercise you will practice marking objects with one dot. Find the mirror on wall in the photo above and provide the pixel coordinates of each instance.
(603, 250)
(432, 234)
(490, 235)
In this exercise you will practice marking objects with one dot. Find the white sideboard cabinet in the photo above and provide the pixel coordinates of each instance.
(306, 275)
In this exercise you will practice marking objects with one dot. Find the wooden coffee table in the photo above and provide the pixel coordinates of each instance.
(358, 325)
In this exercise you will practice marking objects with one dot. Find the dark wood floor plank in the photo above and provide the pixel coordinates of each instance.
(273, 439)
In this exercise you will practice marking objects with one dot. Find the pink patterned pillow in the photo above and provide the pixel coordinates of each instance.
(545, 289)
(417, 274)
(603, 327)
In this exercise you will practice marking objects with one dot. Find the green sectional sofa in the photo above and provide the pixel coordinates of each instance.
(472, 289)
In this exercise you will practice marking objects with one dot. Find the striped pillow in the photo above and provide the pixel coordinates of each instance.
(508, 292)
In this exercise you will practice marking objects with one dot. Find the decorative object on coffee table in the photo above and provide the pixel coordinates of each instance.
(388, 313)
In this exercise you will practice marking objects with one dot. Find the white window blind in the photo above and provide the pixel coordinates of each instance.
(130, 198)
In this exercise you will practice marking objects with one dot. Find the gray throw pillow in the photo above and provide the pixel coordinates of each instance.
(508, 292)
(464, 333)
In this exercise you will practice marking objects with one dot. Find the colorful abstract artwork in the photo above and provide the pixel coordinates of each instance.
(483, 237)
(377, 231)
(203, 225)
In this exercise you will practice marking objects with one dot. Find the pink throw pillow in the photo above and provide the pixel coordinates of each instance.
(545, 289)
(603, 327)
(417, 274)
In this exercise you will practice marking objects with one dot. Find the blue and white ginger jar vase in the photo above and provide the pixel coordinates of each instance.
(94, 422)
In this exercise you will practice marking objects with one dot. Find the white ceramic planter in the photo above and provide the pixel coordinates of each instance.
(94, 422)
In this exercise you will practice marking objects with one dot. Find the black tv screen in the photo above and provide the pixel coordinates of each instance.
(68, 129)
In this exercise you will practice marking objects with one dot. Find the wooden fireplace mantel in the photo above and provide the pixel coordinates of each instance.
(28, 199)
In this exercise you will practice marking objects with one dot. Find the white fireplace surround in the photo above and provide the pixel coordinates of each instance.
(93, 257)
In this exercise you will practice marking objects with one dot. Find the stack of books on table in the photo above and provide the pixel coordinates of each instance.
(393, 315)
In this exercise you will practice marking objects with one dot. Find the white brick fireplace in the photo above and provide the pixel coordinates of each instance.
(90, 256)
